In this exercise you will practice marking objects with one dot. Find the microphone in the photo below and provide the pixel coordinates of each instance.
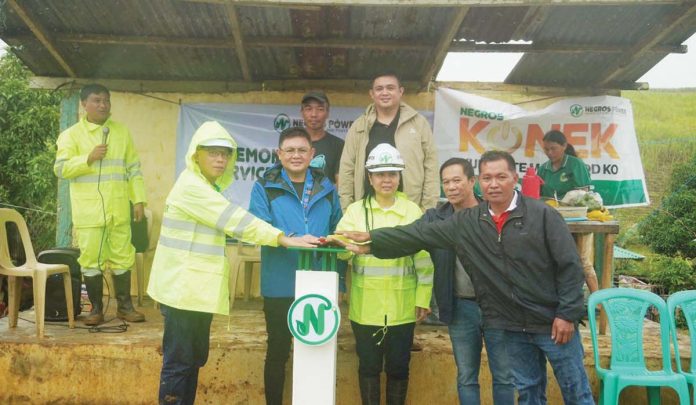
(105, 134)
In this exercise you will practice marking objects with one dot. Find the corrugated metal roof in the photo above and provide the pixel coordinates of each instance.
(341, 41)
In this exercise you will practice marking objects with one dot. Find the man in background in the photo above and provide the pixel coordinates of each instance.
(456, 298)
(389, 120)
(327, 147)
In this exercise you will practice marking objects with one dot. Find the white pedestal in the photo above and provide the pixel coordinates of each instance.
(314, 366)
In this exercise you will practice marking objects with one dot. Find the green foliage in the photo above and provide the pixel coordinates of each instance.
(28, 127)
(672, 274)
(665, 128)
(671, 228)
(634, 268)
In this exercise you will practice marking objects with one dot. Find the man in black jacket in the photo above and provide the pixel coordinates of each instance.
(456, 298)
(526, 271)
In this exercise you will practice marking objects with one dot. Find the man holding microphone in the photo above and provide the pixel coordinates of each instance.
(98, 157)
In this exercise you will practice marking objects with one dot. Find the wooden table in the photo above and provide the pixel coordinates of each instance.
(605, 235)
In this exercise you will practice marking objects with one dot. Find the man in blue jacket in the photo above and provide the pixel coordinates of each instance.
(456, 298)
(299, 201)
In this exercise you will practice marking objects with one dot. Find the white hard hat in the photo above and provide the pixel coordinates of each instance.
(384, 158)
(224, 142)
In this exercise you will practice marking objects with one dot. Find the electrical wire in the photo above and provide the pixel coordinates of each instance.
(104, 237)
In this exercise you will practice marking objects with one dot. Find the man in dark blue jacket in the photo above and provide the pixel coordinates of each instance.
(523, 263)
(299, 201)
(456, 298)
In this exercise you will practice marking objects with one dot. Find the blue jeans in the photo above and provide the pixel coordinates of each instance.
(528, 354)
(467, 335)
(185, 346)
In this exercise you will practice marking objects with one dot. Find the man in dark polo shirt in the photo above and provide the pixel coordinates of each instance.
(327, 147)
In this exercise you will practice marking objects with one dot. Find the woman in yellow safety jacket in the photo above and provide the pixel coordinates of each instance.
(387, 296)
(190, 273)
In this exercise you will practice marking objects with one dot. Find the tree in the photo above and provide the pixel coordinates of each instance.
(671, 229)
(28, 129)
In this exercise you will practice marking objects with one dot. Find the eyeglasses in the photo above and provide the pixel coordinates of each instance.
(293, 151)
(219, 153)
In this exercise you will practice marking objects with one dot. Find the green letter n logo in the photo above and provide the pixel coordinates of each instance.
(313, 319)
(576, 110)
(316, 320)
(281, 122)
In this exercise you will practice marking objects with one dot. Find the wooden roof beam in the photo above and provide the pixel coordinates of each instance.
(105, 39)
(233, 19)
(251, 42)
(430, 3)
(470, 46)
(340, 43)
(189, 86)
(38, 30)
(443, 45)
(651, 38)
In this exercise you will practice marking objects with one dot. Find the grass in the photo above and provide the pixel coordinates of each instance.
(665, 123)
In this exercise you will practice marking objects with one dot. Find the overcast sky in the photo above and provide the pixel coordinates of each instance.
(674, 71)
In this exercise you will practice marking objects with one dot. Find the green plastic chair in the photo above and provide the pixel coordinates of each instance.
(626, 309)
(686, 300)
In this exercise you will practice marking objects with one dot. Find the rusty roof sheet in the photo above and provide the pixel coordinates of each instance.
(579, 44)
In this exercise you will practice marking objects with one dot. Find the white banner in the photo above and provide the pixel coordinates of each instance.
(255, 127)
(600, 128)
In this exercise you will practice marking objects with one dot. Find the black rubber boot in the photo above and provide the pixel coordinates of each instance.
(125, 311)
(396, 391)
(369, 390)
(95, 292)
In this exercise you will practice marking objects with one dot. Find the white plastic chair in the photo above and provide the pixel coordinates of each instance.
(241, 256)
(39, 272)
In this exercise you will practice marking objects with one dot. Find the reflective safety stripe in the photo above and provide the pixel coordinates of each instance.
(133, 166)
(189, 246)
(113, 163)
(96, 178)
(423, 262)
(425, 279)
(242, 225)
(196, 227)
(135, 174)
(384, 271)
(225, 216)
(58, 166)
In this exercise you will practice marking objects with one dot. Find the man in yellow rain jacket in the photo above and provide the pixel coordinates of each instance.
(190, 273)
(97, 155)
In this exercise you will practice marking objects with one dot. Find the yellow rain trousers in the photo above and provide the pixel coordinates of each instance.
(100, 192)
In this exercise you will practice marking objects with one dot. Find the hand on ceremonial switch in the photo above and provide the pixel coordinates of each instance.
(307, 241)
(356, 242)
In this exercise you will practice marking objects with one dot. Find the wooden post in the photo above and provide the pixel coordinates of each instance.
(607, 275)
(69, 108)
